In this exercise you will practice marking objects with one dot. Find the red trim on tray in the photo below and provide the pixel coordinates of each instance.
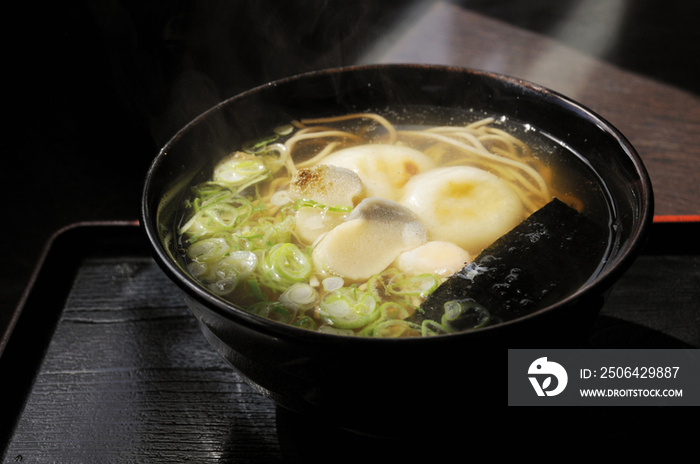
(681, 218)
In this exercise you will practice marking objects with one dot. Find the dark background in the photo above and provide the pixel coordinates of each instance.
(95, 87)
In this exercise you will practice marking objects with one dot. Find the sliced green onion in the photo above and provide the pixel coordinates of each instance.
(368, 330)
(266, 234)
(348, 308)
(275, 156)
(420, 285)
(197, 269)
(284, 265)
(247, 167)
(279, 314)
(335, 330)
(240, 169)
(331, 284)
(377, 284)
(258, 145)
(223, 286)
(300, 297)
(272, 311)
(452, 310)
(280, 198)
(305, 322)
(285, 129)
(220, 213)
(393, 310)
(211, 249)
(305, 203)
(238, 264)
(393, 328)
(464, 315)
(430, 328)
(255, 290)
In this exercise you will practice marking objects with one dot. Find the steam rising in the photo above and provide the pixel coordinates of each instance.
(173, 61)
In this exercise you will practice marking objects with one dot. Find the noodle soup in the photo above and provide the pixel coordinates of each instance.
(347, 224)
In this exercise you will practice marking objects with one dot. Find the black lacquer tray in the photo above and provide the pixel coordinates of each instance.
(107, 364)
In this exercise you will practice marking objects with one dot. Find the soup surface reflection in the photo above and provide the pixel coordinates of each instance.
(347, 224)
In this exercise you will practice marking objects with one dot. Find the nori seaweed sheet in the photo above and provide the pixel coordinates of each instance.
(543, 259)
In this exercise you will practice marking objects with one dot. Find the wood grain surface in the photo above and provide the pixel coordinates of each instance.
(128, 377)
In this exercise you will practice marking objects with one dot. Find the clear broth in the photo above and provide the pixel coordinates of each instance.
(573, 178)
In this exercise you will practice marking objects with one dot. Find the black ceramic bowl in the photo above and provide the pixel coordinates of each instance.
(389, 386)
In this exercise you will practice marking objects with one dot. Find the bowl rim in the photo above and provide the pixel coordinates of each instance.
(599, 284)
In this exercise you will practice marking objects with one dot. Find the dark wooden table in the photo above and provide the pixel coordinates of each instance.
(105, 363)
(661, 121)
